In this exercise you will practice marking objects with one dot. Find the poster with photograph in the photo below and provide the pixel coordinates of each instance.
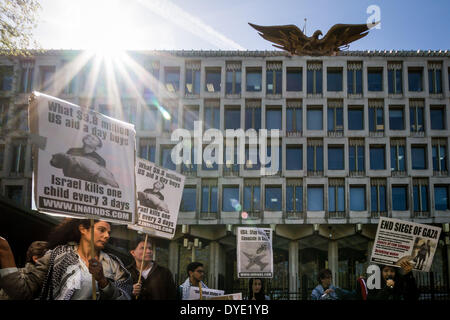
(83, 161)
(398, 240)
(254, 252)
(207, 294)
(159, 193)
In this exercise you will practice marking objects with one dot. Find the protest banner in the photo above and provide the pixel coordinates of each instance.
(254, 252)
(233, 296)
(83, 161)
(194, 293)
(397, 241)
(159, 193)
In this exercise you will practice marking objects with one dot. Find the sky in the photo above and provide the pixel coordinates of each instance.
(223, 24)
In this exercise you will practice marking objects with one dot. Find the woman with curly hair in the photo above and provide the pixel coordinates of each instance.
(65, 271)
(256, 290)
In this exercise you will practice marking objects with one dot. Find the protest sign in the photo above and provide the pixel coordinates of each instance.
(194, 293)
(397, 241)
(254, 253)
(83, 161)
(159, 193)
(233, 296)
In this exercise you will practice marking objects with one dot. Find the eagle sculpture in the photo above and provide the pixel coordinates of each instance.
(293, 40)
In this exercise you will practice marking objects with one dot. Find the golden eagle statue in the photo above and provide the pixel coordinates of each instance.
(293, 40)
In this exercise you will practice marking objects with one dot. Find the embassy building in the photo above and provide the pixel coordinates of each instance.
(362, 135)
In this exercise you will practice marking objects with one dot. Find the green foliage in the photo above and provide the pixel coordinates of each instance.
(18, 19)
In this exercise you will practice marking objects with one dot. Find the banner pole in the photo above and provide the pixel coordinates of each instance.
(94, 289)
(200, 290)
(142, 262)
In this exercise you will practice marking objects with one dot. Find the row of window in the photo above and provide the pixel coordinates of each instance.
(233, 78)
(315, 196)
(315, 157)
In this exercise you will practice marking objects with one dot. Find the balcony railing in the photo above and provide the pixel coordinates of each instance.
(315, 173)
(421, 214)
(208, 215)
(336, 214)
(295, 215)
(378, 214)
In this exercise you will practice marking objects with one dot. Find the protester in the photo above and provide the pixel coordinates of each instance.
(195, 273)
(326, 291)
(395, 286)
(35, 251)
(256, 290)
(65, 271)
(156, 281)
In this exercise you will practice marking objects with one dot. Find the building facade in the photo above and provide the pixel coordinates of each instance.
(362, 135)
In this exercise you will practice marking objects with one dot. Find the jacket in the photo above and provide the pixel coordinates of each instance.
(28, 269)
(405, 289)
(159, 284)
(56, 277)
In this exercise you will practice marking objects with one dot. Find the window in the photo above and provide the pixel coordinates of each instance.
(149, 116)
(233, 78)
(232, 117)
(6, 78)
(276, 167)
(209, 199)
(273, 196)
(294, 119)
(19, 118)
(377, 158)
(189, 199)
(420, 195)
(147, 149)
(355, 118)
(172, 109)
(314, 118)
(378, 196)
(396, 118)
(415, 82)
(230, 198)
(18, 155)
(315, 198)
(336, 196)
(252, 197)
(253, 116)
(294, 79)
(273, 118)
(357, 198)
(437, 115)
(294, 158)
(231, 160)
(46, 74)
(354, 78)
(172, 79)
(190, 115)
(193, 78)
(399, 198)
(439, 150)
(315, 156)
(334, 79)
(294, 198)
(70, 87)
(15, 193)
(314, 78)
(441, 198)
(107, 110)
(395, 78)
(213, 79)
(212, 115)
(398, 160)
(375, 79)
(4, 108)
(189, 167)
(376, 116)
(419, 157)
(335, 157)
(253, 79)
(252, 161)
(128, 113)
(151, 87)
(356, 156)
(435, 77)
(335, 117)
(274, 78)
(210, 165)
(416, 116)
(26, 76)
(166, 158)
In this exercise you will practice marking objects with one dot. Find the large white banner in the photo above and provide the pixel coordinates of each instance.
(399, 240)
(159, 193)
(83, 161)
(254, 252)
(194, 293)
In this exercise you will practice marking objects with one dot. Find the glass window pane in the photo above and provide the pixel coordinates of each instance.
(319, 81)
(394, 166)
(415, 80)
(188, 201)
(375, 80)
(341, 199)
(256, 198)
(298, 119)
(424, 190)
(357, 198)
(299, 199)
(334, 80)
(437, 119)
(330, 119)
(373, 199)
(315, 120)
(441, 198)
(230, 200)
(232, 118)
(358, 81)
(401, 158)
(355, 119)
(382, 198)
(166, 160)
(253, 80)
(273, 198)
(289, 198)
(418, 156)
(214, 199)
(294, 158)
(442, 157)
(294, 79)
(352, 158)
(332, 199)
(399, 201)
(319, 158)
(273, 119)
(416, 198)
(335, 158)
(315, 198)
(396, 119)
(377, 158)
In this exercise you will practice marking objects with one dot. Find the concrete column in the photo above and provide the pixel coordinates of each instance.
(293, 266)
(215, 262)
(369, 250)
(173, 259)
(333, 263)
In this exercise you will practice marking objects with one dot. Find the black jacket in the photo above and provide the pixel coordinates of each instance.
(405, 289)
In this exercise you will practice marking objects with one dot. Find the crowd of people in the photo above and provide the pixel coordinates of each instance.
(63, 267)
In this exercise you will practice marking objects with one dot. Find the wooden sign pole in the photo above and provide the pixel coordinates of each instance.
(94, 288)
(142, 262)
